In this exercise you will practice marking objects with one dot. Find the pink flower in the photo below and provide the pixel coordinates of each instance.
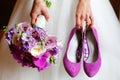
(50, 42)
(24, 26)
(41, 62)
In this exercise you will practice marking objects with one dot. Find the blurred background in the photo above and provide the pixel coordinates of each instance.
(6, 7)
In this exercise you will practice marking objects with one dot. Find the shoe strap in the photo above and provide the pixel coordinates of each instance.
(85, 49)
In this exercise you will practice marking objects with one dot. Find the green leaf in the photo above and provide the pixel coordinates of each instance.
(39, 43)
(4, 28)
(16, 26)
(51, 59)
(20, 33)
(48, 3)
(54, 61)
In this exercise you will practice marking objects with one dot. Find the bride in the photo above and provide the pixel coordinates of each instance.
(61, 18)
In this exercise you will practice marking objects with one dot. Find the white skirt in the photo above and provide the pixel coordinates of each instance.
(62, 20)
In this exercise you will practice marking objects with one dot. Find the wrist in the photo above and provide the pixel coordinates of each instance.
(84, 0)
(38, 1)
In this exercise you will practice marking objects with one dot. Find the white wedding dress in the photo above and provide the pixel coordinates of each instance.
(62, 20)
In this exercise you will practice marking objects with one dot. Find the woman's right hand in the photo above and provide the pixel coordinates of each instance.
(38, 8)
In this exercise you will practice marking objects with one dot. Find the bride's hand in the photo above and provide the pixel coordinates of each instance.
(38, 8)
(84, 13)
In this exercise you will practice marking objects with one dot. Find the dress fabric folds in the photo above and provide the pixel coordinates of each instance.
(62, 20)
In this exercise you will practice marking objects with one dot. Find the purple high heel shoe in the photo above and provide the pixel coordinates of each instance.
(72, 68)
(91, 67)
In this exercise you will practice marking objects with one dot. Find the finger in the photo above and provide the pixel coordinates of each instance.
(88, 21)
(33, 18)
(45, 13)
(92, 20)
(78, 24)
(82, 20)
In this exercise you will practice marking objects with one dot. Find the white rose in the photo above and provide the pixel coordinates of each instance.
(37, 50)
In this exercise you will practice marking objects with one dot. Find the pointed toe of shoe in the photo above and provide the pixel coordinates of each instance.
(71, 68)
(91, 69)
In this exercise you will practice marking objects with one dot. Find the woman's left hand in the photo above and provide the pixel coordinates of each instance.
(84, 13)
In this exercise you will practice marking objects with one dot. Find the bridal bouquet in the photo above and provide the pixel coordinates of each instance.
(32, 46)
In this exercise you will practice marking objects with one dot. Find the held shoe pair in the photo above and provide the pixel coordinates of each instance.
(88, 47)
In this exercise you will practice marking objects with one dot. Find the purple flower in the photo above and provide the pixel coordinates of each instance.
(9, 35)
(25, 46)
(15, 49)
(42, 33)
(53, 51)
(36, 35)
(24, 58)
(50, 42)
(24, 26)
(25, 37)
